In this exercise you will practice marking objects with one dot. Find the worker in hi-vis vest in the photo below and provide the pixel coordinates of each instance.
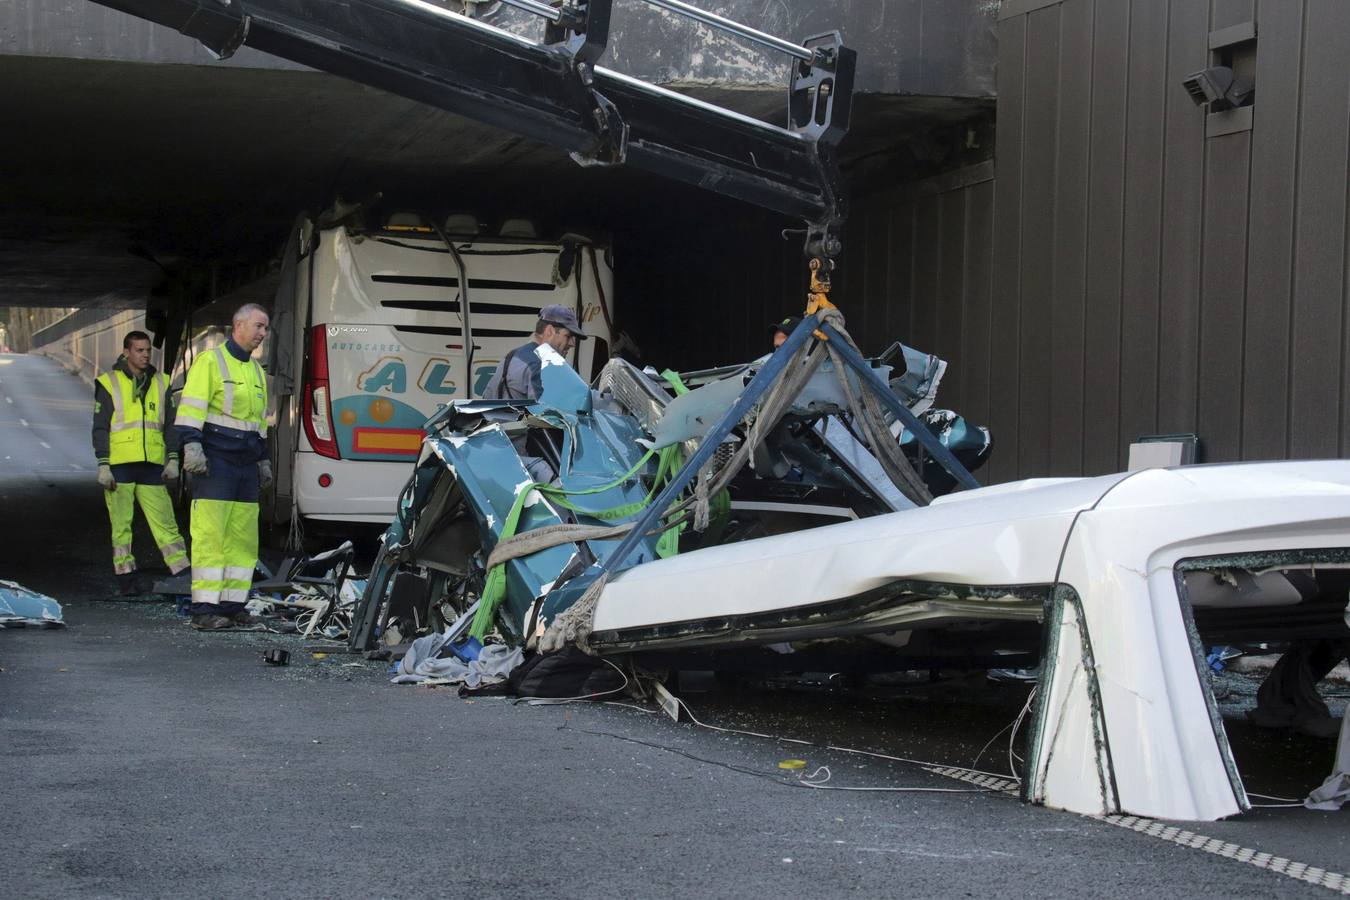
(137, 452)
(223, 430)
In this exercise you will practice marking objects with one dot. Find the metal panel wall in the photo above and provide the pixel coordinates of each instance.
(1126, 265)
(1143, 270)
(918, 268)
(698, 284)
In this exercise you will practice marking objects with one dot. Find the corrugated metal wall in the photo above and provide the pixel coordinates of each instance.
(1128, 264)
(1158, 279)
(1142, 276)
(917, 268)
(699, 278)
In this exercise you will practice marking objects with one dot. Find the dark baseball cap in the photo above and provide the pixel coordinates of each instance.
(562, 316)
(787, 326)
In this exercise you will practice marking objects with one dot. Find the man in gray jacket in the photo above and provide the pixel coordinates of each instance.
(518, 376)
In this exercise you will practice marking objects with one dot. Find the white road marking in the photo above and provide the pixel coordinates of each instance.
(72, 465)
(45, 444)
(1161, 830)
(23, 422)
(9, 399)
(1227, 850)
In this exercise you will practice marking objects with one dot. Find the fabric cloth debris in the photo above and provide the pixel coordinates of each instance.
(20, 606)
(1335, 791)
(424, 661)
(1288, 697)
(567, 674)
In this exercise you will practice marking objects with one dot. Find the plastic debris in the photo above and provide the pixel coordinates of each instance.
(20, 606)
(1335, 791)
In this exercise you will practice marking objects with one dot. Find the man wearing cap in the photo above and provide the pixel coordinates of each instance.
(518, 377)
(779, 331)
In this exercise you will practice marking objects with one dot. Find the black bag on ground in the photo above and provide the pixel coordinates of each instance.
(566, 673)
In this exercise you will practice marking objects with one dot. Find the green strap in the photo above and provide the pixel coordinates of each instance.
(669, 461)
(676, 383)
(494, 588)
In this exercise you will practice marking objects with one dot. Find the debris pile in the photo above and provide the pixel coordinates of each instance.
(21, 607)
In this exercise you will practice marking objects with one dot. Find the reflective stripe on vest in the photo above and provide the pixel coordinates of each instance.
(242, 403)
(137, 425)
(258, 386)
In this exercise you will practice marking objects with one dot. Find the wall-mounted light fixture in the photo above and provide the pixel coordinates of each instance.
(1218, 87)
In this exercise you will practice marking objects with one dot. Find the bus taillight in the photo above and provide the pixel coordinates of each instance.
(318, 410)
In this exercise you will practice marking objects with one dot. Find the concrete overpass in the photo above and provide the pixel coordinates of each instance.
(141, 164)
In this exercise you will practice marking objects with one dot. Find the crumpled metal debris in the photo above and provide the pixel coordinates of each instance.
(319, 591)
(20, 606)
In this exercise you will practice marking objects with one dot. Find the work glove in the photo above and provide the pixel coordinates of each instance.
(170, 472)
(194, 460)
(106, 479)
(265, 474)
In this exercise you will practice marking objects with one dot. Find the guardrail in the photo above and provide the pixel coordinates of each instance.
(89, 340)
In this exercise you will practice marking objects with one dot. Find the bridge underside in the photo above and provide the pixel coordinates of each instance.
(121, 170)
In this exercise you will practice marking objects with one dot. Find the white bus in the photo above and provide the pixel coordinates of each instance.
(381, 337)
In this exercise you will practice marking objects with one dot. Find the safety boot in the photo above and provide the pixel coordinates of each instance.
(210, 622)
(128, 584)
(243, 619)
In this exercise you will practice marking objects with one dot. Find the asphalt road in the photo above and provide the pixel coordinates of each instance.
(144, 759)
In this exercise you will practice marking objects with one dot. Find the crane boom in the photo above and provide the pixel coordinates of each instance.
(553, 92)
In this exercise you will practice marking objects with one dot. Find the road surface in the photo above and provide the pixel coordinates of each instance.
(143, 759)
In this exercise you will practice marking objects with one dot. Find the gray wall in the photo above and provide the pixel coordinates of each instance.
(1146, 277)
(917, 269)
(1134, 268)
(82, 29)
(89, 341)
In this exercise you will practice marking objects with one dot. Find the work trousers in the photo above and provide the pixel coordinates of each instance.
(142, 483)
(224, 535)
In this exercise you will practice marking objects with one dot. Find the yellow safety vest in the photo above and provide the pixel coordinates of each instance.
(221, 390)
(136, 433)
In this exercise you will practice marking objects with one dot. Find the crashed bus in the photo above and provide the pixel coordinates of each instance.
(809, 557)
(393, 313)
(772, 513)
